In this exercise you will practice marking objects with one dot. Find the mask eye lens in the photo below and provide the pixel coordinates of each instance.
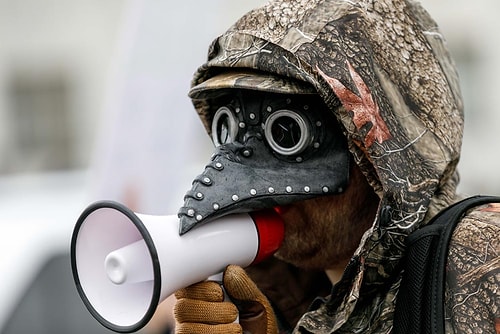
(224, 127)
(287, 132)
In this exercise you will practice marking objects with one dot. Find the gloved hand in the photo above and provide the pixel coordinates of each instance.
(201, 308)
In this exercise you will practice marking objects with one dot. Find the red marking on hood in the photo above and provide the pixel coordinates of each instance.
(364, 107)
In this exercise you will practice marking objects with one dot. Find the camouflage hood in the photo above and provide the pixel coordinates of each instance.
(401, 111)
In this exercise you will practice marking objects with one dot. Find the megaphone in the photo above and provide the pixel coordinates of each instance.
(124, 264)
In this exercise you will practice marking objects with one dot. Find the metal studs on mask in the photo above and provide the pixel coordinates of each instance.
(247, 152)
(199, 196)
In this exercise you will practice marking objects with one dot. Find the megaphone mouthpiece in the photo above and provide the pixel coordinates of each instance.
(129, 264)
(124, 264)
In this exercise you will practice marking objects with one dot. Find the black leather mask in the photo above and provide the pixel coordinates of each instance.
(270, 150)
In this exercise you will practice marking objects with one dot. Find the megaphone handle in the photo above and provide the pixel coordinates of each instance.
(219, 279)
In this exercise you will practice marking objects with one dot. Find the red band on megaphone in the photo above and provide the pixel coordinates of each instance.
(271, 231)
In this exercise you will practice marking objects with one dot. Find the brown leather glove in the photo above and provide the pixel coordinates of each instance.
(201, 308)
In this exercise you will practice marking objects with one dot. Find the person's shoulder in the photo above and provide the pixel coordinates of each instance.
(474, 246)
(479, 224)
(472, 269)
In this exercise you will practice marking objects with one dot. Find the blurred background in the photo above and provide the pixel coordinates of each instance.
(93, 105)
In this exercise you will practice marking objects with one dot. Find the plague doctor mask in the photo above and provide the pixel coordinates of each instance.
(276, 142)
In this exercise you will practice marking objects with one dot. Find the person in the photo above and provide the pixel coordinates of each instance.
(346, 117)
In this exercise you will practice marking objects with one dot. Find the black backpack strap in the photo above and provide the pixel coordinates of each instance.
(420, 301)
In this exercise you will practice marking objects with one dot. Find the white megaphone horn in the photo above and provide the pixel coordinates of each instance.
(124, 264)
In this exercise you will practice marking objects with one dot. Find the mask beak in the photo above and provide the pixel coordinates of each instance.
(235, 181)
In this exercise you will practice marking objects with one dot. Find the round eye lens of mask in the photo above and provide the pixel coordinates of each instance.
(224, 127)
(287, 132)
